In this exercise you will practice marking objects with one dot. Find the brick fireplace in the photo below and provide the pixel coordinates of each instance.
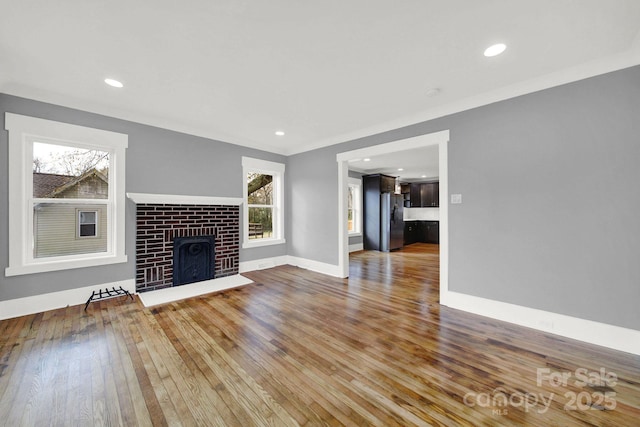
(157, 225)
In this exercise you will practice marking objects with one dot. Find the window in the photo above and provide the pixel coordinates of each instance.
(354, 207)
(87, 223)
(263, 202)
(66, 193)
(260, 203)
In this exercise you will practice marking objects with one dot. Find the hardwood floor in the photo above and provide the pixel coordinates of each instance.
(301, 348)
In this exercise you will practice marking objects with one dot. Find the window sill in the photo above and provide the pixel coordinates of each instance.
(355, 234)
(261, 243)
(43, 267)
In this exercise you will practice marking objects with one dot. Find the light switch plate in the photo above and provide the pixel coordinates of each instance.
(456, 199)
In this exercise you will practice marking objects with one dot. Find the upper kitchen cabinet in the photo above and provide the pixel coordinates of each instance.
(430, 194)
(414, 195)
(387, 184)
(425, 194)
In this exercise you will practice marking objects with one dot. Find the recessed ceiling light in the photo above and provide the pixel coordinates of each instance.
(114, 83)
(400, 169)
(279, 133)
(367, 159)
(494, 50)
(423, 176)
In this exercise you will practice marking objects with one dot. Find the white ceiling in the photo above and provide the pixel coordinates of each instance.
(322, 71)
(418, 164)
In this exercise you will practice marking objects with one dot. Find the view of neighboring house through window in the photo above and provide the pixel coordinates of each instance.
(70, 200)
(66, 195)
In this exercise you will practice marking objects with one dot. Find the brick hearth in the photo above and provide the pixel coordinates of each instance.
(158, 224)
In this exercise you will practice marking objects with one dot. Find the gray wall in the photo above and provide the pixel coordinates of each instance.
(158, 161)
(312, 225)
(548, 182)
(550, 199)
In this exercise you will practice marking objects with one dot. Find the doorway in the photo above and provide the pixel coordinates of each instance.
(437, 138)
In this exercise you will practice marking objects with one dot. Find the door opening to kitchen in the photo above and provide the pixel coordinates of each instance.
(394, 218)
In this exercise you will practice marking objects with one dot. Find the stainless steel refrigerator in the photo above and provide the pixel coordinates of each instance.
(391, 221)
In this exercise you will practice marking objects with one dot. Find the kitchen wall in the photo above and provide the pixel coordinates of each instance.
(158, 161)
(550, 199)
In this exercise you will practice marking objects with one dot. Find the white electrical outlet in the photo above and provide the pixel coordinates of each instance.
(456, 199)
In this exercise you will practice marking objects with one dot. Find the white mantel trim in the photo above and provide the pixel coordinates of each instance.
(175, 199)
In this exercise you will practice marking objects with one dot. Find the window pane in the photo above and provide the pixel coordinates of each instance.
(87, 217)
(55, 230)
(61, 172)
(350, 224)
(259, 189)
(87, 230)
(350, 198)
(260, 223)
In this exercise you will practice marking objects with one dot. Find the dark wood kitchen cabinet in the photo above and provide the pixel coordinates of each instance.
(430, 231)
(430, 194)
(415, 195)
(388, 184)
(421, 232)
(424, 194)
(411, 232)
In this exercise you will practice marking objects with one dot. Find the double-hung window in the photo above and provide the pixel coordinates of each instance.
(354, 207)
(263, 202)
(66, 195)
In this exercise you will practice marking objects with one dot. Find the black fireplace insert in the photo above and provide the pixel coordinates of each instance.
(193, 259)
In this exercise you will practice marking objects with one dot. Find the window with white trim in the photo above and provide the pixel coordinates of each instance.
(87, 224)
(354, 207)
(66, 195)
(263, 212)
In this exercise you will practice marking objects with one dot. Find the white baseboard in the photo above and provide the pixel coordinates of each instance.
(54, 300)
(261, 264)
(597, 333)
(357, 247)
(614, 337)
(51, 301)
(319, 267)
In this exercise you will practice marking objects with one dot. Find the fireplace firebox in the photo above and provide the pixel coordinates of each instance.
(193, 259)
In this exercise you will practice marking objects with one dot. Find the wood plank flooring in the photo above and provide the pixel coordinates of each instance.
(301, 348)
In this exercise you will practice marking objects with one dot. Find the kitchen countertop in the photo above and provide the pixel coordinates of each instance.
(421, 214)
